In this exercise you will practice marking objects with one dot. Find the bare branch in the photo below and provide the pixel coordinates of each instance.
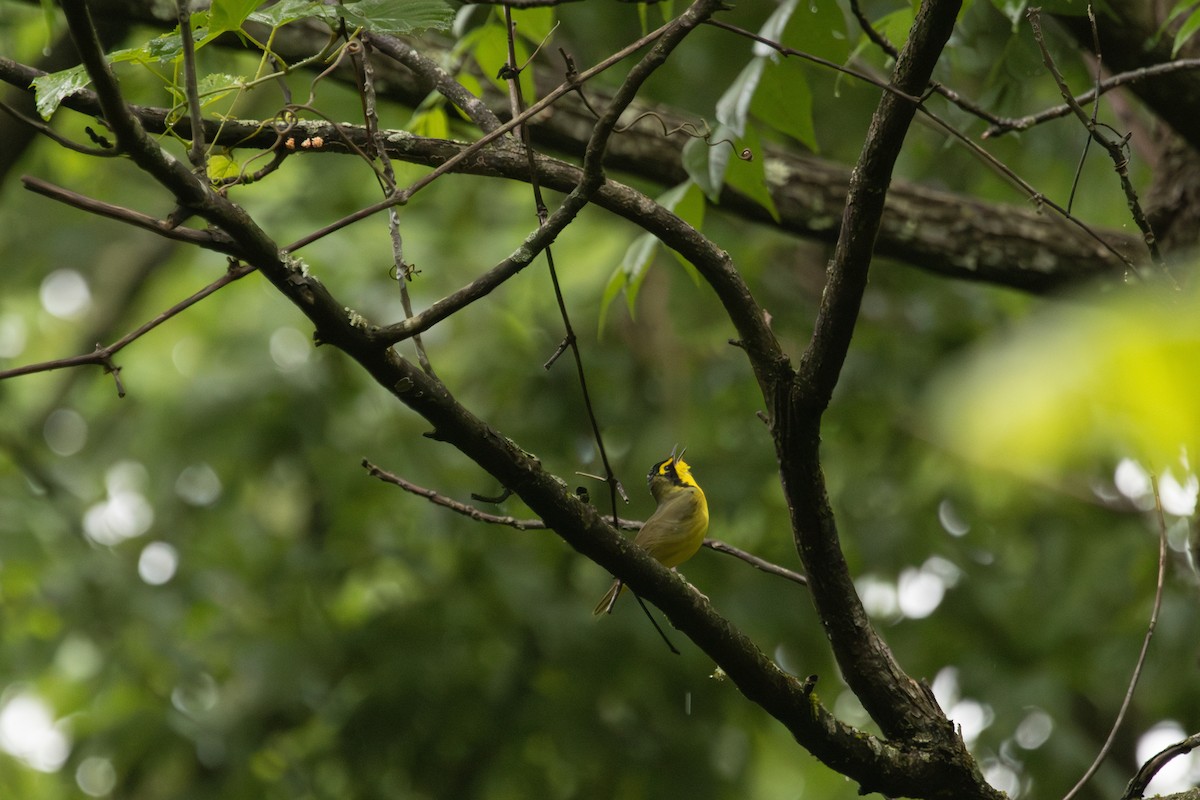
(534, 524)
(1009, 124)
(103, 356)
(946, 233)
(208, 239)
(1115, 147)
(444, 82)
(987, 158)
(756, 562)
(1160, 581)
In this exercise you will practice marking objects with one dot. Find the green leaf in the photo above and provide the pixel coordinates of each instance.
(488, 45)
(1112, 378)
(748, 176)
(287, 11)
(785, 102)
(734, 105)
(228, 15)
(774, 27)
(1186, 32)
(695, 162)
(687, 201)
(896, 25)
(431, 123)
(49, 90)
(819, 29)
(164, 48)
(534, 24)
(212, 88)
(397, 16)
(629, 275)
(221, 166)
(706, 161)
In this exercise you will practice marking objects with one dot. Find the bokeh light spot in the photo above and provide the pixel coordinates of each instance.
(66, 431)
(28, 732)
(198, 485)
(157, 563)
(65, 294)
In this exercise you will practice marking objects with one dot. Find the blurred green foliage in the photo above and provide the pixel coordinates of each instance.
(206, 596)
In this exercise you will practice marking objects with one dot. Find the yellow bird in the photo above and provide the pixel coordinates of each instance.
(676, 529)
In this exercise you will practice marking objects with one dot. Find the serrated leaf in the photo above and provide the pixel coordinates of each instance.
(50, 90)
(222, 166)
(397, 16)
(167, 47)
(228, 15)
(287, 11)
(212, 88)
(734, 104)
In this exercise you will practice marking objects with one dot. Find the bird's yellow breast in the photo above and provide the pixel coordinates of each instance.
(676, 529)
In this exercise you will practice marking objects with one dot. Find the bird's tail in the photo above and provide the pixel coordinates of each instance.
(605, 606)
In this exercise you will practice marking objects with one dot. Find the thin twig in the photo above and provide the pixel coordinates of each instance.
(404, 272)
(55, 136)
(868, 29)
(103, 356)
(570, 339)
(444, 83)
(210, 239)
(756, 562)
(1141, 659)
(1009, 124)
(534, 524)
(940, 88)
(991, 161)
(402, 196)
(1114, 146)
(824, 62)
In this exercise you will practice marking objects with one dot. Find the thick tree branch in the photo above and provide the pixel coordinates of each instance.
(903, 709)
(894, 769)
(933, 230)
